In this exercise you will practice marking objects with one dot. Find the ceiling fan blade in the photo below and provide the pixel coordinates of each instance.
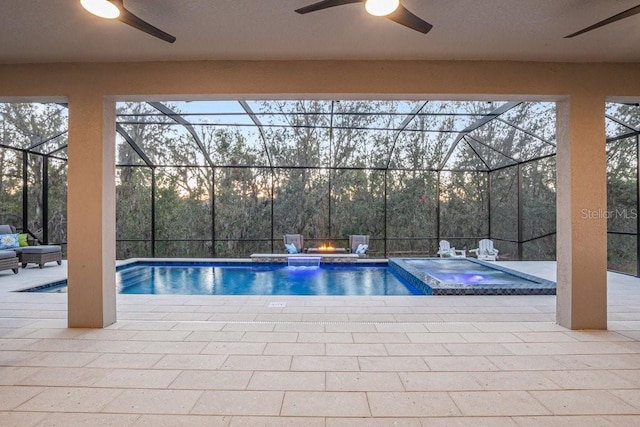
(130, 19)
(403, 17)
(325, 5)
(622, 15)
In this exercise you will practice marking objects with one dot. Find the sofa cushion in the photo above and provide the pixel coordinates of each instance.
(7, 254)
(6, 229)
(291, 248)
(44, 249)
(8, 241)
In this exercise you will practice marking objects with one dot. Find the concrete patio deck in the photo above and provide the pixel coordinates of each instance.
(318, 361)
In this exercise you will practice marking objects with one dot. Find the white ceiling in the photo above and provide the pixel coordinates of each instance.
(37, 31)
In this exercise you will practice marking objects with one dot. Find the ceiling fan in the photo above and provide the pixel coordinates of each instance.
(390, 9)
(622, 15)
(112, 9)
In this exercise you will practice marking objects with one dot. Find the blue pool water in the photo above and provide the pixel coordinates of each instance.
(252, 279)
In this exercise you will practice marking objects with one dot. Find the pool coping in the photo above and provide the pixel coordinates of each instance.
(432, 286)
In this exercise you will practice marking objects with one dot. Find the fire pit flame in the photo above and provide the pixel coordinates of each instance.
(326, 247)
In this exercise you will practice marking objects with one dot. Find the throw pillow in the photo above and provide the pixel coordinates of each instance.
(22, 240)
(291, 248)
(9, 241)
(362, 249)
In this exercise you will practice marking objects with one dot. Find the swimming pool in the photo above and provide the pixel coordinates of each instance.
(255, 279)
(467, 276)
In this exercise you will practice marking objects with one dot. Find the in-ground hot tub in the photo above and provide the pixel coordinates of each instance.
(466, 276)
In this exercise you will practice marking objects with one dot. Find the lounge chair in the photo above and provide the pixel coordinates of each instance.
(294, 243)
(446, 251)
(486, 251)
(359, 244)
(10, 229)
(8, 260)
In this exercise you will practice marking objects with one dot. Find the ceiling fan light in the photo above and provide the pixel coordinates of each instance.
(101, 8)
(381, 7)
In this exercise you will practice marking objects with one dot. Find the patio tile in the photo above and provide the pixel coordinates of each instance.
(234, 348)
(209, 336)
(309, 349)
(582, 402)
(335, 349)
(516, 380)
(628, 375)
(374, 422)
(287, 381)
(14, 396)
(179, 347)
(350, 327)
(380, 337)
(632, 397)
(451, 327)
(527, 363)
(325, 337)
(239, 403)
(257, 363)
(469, 422)
(411, 404)
(623, 420)
(144, 401)
(324, 363)
(530, 337)
(459, 363)
(416, 349)
(593, 361)
(477, 349)
(172, 335)
(270, 337)
(68, 399)
(587, 379)
(181, 420)
(211, 380)
(564, 421)
(497, 403)
(392, 364)
(12, 375)
(125, 361)
(65, 377)
(21, 419)
(82, 420)
(363, 381)
(20, 343)
(439, 381)
(327, 404)
(199, 326)
(133, 378)
(34, 359)
(118, 346)
(490, 337)
(277, 422)
(190, 361)
(435, 337)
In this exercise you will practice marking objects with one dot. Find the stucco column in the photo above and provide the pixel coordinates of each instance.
(581, 207)
(91, 212)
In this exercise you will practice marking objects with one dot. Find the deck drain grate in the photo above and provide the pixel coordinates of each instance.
(277, 304)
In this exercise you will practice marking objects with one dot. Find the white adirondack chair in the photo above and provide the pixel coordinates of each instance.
(446, 251)
(486, 251)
